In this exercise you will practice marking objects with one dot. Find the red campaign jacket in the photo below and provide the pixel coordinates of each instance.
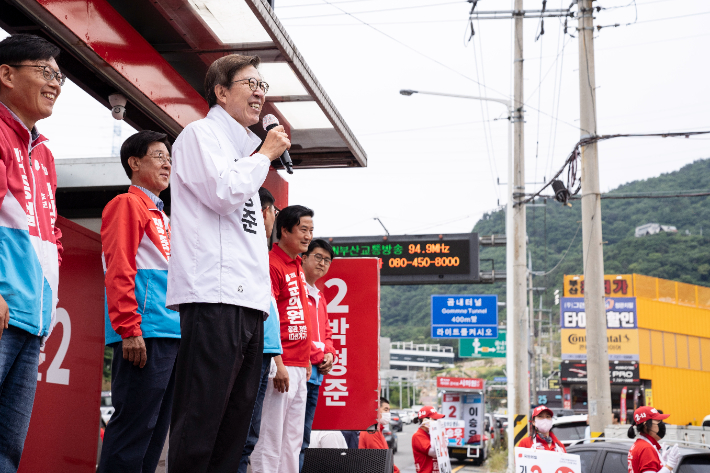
(321, 331)
(540, 444)
(374, 440)
(30, 251)
(421, 444)
(288, 285)
(644, 455)
(135, 242)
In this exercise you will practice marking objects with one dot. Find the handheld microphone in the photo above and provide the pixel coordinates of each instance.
(269, 121)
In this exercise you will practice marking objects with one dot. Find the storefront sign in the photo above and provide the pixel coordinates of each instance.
(553, 383)
(615, 285)
(621, 344)
(444, 382)
(620, 372)
(620, 312)
(64, 428)
(542, 461)
(464, 316)
(349, 394)
(484, 347)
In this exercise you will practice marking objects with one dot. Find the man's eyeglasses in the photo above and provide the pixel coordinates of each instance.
(321, 259)
(47, 72)
(276, 211)
(254, 84)
(160, 156)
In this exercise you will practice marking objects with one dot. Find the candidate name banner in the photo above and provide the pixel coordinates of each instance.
(454, 430)
(528, 460)
(473, 410)
(464, 316)
(451, 406)
(437, 436)
(621, 321)
(445, 382)
(349, 393)
(484, 347)
(64, 427)
(620, 372)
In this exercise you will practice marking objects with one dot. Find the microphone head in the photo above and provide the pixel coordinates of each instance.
(269, 120)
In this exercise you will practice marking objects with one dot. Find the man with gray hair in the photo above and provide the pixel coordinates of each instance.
(218, 275)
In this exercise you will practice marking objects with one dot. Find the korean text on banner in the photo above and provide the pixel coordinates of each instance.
(454, 430)
(440, 444)
(528, 460)
(473, 411)
(349, 394)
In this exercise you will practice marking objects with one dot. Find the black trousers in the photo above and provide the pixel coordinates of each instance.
(216, 381)
(142, 399)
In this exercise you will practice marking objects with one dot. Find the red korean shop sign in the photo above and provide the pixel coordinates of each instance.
(444, 382)
(64, 428)
(349, 394)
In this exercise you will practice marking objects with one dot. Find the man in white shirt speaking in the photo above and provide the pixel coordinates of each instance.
(218, 276)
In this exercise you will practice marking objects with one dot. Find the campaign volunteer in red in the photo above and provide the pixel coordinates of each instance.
(373, 438)
(30, 252)
(284, 408)
(646, 454)
(541, 436)
(423, 450)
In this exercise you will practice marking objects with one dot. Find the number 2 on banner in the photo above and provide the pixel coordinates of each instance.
(334, 307)
(56, 374)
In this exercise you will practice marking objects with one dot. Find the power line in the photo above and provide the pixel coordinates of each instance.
(411, 7)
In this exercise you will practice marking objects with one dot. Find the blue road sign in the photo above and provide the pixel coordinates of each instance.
(464, 316)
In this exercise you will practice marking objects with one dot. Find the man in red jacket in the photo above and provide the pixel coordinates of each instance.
(30, 252)
(373, 438)
(284, 408)
(316, 262)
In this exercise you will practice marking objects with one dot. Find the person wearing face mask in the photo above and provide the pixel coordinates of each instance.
(423, 450)
(646, 454)
(373, 437)
(541, 436)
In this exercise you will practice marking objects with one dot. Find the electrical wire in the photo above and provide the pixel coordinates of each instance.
(565, 253)
(372, 11)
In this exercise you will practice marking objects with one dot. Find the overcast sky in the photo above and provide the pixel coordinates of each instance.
(433, 162)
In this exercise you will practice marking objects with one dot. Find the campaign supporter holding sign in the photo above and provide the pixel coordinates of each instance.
(352, 288)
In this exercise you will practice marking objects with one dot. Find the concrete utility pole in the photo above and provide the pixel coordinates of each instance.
(517, 322)
(598, 387)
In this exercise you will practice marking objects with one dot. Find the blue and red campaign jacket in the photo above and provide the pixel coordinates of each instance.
(30, 252)
(135, 238)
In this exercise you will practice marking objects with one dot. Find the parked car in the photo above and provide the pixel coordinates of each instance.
(106, 406)
(396, 421)
(408, 416)
(612, 457)
(390, 438)
(706, 421)
(570, 429)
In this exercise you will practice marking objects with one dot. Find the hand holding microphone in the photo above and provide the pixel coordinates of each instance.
(276, 144)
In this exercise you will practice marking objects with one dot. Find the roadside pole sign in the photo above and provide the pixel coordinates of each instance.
(464, 316)
(349, 394)
(484, 347)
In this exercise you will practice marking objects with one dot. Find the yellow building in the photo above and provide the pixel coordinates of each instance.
(673, 338)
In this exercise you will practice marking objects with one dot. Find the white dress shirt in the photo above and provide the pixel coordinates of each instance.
(218, 250)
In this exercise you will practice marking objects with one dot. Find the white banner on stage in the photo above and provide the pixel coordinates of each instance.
(528, 460)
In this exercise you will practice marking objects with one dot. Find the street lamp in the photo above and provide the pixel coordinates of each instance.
(509, 236)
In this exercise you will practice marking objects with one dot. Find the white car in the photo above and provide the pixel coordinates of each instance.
(107, 409)
(570, 429)
(706, 421)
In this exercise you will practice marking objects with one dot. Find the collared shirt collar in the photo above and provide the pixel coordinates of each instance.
(243, 138)
(651, 440)
(276, 249)
(156, 200)
(34, 134)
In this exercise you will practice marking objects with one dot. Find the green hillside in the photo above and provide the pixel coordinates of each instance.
(684, 256)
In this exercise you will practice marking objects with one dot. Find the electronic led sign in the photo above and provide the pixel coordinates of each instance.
(416, 259)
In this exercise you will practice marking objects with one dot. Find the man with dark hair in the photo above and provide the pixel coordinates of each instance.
(272, 340)
(373, 438)
(316, 262)
(281, 435)
(30, 253)
(144, 335)
(218, 274)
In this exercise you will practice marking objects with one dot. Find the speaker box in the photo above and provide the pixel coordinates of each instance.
(346, 460)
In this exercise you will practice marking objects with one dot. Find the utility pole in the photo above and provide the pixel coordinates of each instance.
(517, 323)
(598, 388)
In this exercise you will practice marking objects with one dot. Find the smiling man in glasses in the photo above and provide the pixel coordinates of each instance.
(218, 276)
(30, 252)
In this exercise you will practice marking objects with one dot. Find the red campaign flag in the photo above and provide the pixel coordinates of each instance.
(64, 428)
(349, 394)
